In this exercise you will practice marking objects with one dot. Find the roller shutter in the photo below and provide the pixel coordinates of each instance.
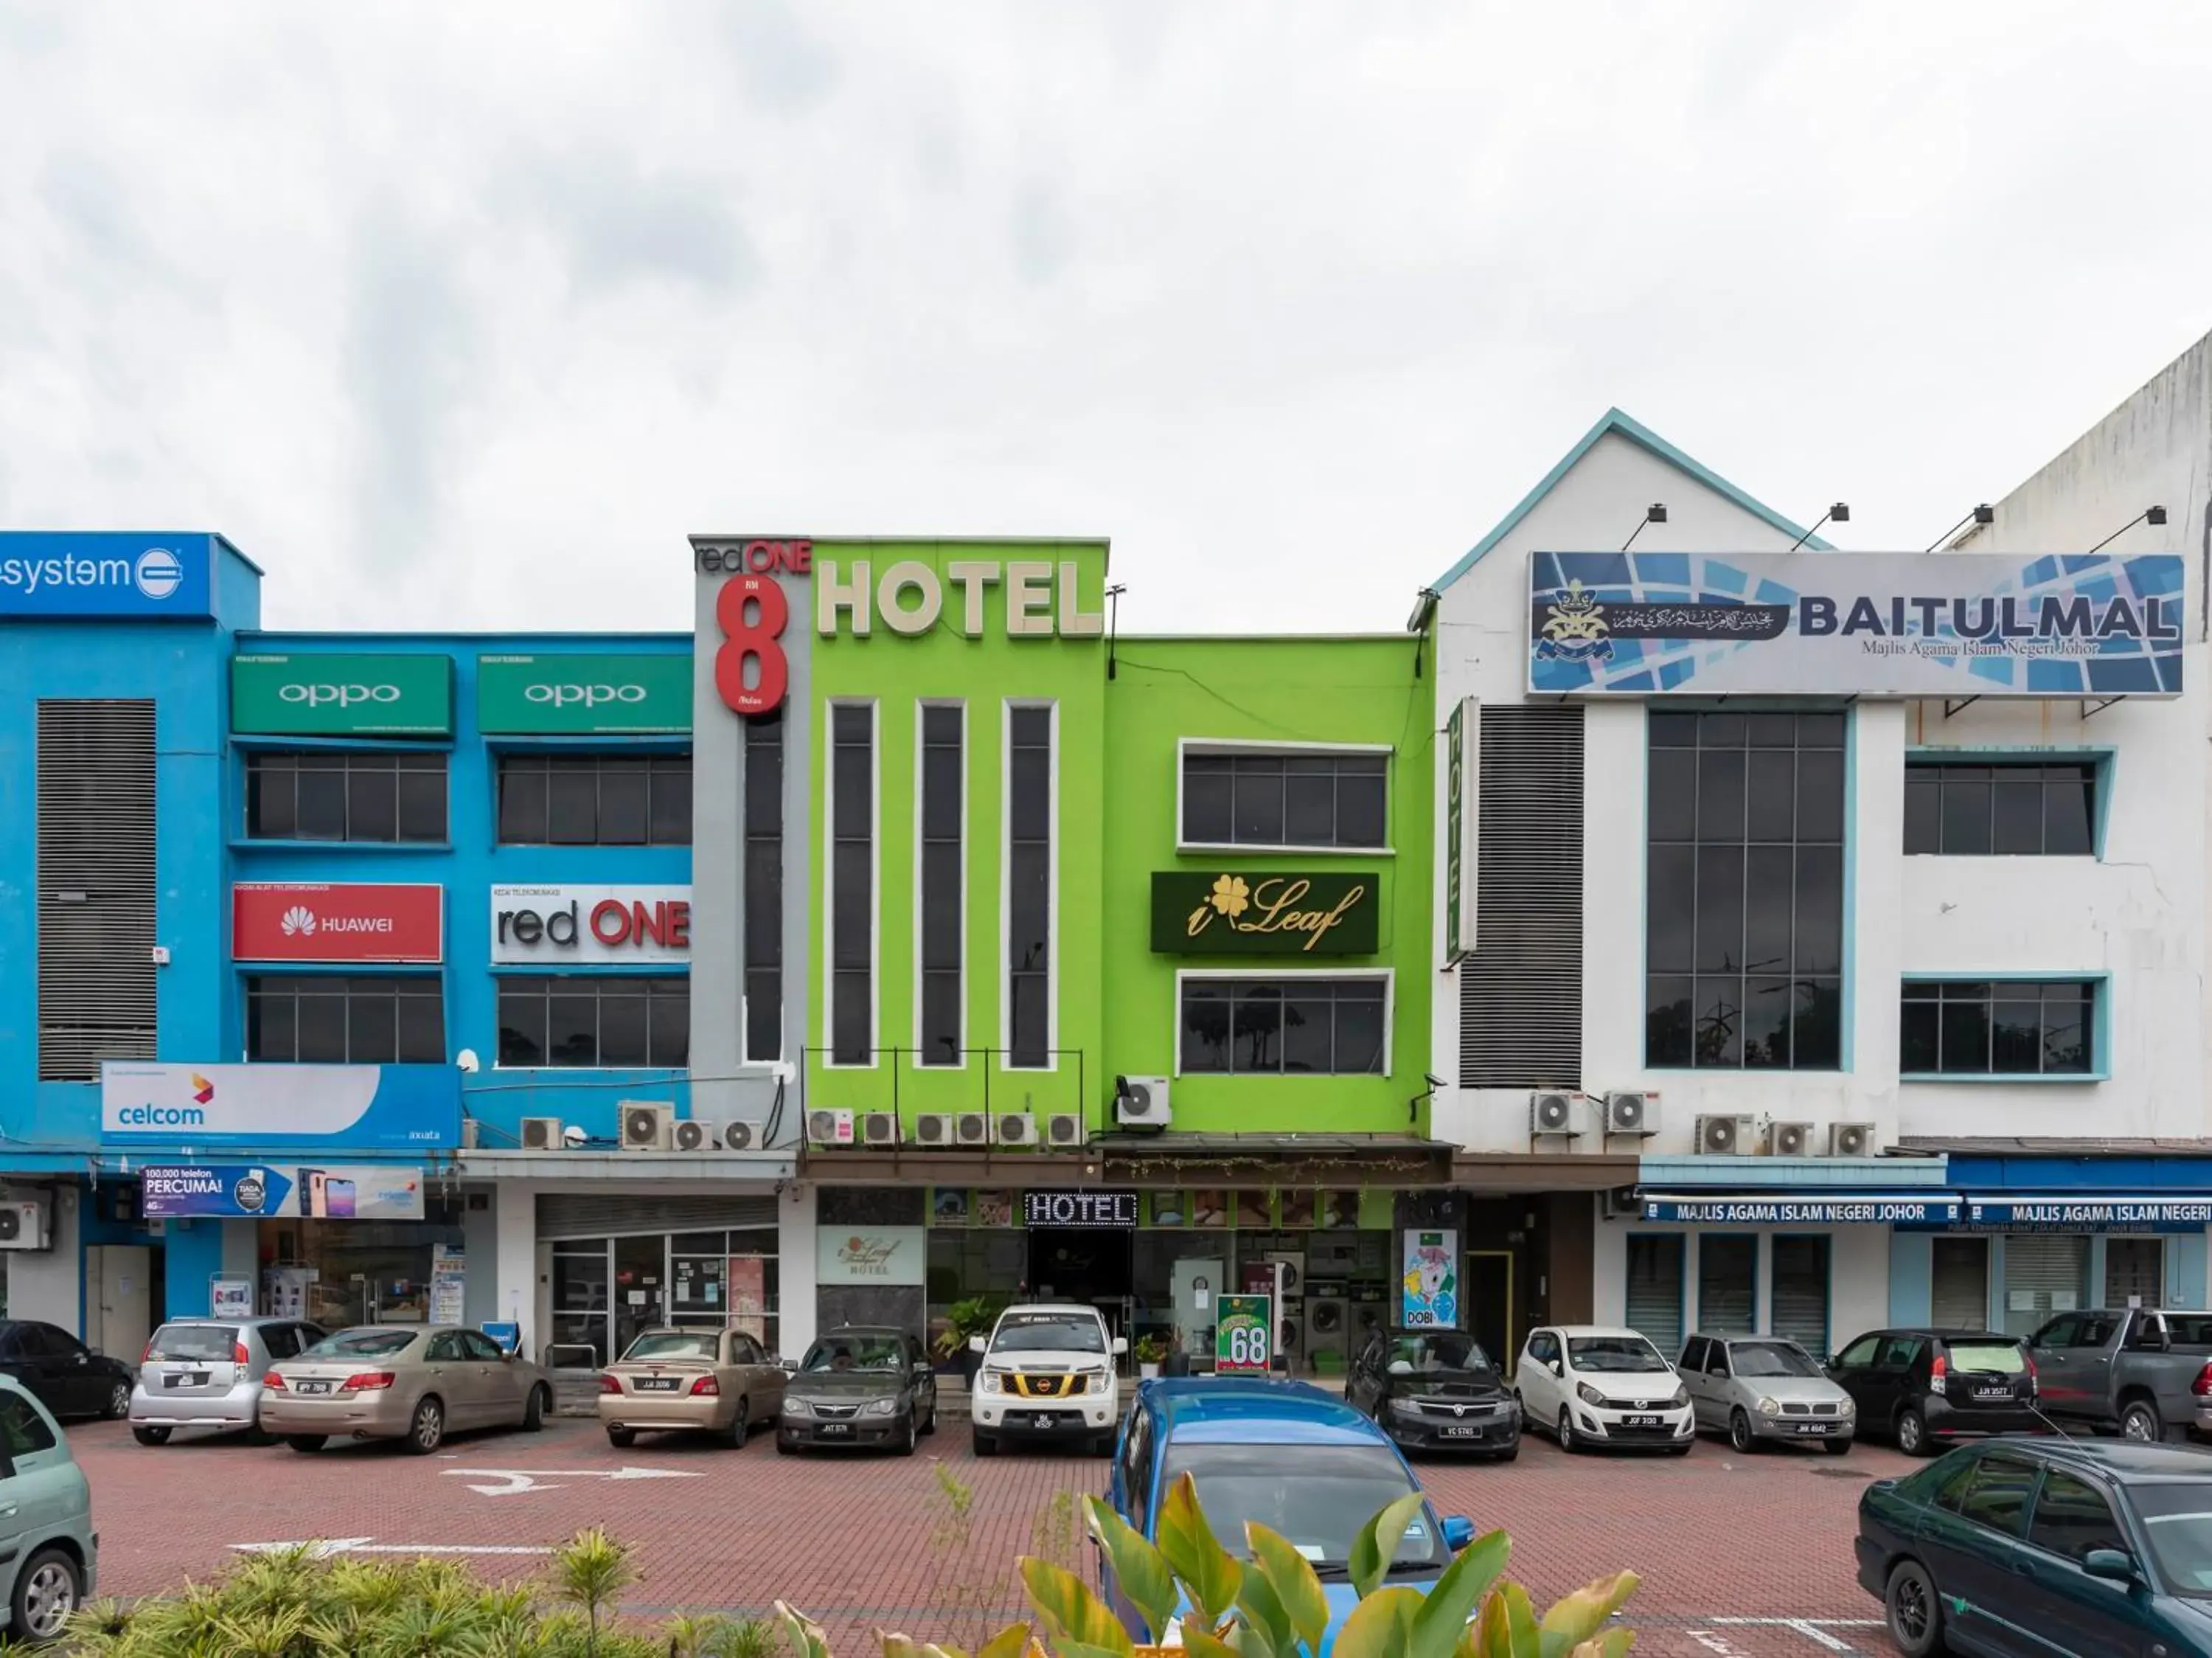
(2049, 1273)
(591, 1214)
(1655, 1289)
(1959, 1276)
(1801, 1293)
(1727, 1284)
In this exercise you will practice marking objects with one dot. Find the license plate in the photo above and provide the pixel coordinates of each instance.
(1993, 1392)
(311, 1388)
(1642, 1422)
(654, 1384)
(1810, 1428)
(834, 1429)
(1461, 1433)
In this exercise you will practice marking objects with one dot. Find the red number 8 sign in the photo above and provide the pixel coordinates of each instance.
(755, 639)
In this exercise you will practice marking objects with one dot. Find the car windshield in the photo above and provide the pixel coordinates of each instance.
(1053, 1333)
(1770, 1358)
(2178, 1520)
(2006, 1358)
(362, 1345)
(1433, 1350)
(1622, 1354)
(674, 1344)
(1316, 1495)
(836, 1355)
(204, 1342)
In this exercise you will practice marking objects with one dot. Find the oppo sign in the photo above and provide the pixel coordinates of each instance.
(584, 696)
(337, 696)
(602, 924)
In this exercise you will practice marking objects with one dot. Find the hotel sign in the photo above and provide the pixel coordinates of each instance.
(1210, 912)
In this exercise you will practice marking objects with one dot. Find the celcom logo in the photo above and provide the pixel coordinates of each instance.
(298, 922)
(339, 696)
(583, 696)
(160, 1117)
(158, 573)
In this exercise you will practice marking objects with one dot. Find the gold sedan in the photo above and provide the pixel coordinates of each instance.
(404, 1381)
(691, 1382)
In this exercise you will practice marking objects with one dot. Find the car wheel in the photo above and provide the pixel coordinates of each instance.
(1569, 1441)
(426, 1432)
(1741, 1440)
(984, 1445)
(533, 1414)
(305, 1443)
(1911, 1610)
(929, 1422)
(151, 1436)
(1836, 1447)
(118, 1402)
(621, 1438)
(2141, 1421)
(742, 1426)
(1912, 1432)
(905, 1446)
(46, 1594)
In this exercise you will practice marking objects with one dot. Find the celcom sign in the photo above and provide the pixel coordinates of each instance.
(584, 696)
(397, 1107)
(342, 696)
(107, 577)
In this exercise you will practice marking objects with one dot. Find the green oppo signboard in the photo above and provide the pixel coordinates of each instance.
(328, 696)
(1205, 913)
(583, 696)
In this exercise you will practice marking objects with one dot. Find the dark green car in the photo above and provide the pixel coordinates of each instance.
(2028, 1549)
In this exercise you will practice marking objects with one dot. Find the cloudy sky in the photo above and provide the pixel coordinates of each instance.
(467, 315)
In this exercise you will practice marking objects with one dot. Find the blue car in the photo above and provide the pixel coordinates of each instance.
(1291, 1456)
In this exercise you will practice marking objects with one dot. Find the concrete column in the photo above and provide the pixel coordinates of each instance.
(795, 1298)
(514, 1259)
(194, 1253)
(48, 1284)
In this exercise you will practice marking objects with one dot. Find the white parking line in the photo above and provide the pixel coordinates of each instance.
(323, 1548)
(1813, 1629)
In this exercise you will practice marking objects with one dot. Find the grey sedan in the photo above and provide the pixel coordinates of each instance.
(1761, 1389)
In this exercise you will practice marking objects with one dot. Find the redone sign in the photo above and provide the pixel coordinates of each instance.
(590, 923)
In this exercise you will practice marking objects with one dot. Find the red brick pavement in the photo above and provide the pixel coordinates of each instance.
(859, 1541)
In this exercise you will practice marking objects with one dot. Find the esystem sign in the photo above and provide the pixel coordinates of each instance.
(1867, 625)
(335, 695)
(583, 696)
(299, 921)
(107, 577)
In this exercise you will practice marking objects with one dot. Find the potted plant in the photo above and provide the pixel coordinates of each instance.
(1152, 1350)
(964, 1318)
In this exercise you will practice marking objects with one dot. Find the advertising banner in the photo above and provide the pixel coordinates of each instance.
(1208, 912)
(563, 925)
(336, 1191)
(1463, 773)
(403, 1107)
(1429, 1298)
(323, 696)
(1768, 1208)
(1243, 1336)
(165, 576)
(583, 696)
(1854, 625)
(299, 921)
(872, 1254)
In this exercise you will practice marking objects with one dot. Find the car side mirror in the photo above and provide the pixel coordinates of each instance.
(922, 1367)
(789, 1367)
(1121, 1345)
(1555, 1367)
(977, 1344)
(1401, 1368)
(1459, 1532)
(2115, 1565)
(507, 1358)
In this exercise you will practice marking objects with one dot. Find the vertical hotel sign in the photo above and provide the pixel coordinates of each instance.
(1463, 769)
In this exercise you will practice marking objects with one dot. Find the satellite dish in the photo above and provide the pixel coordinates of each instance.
(468, 1061)
(573, 1136)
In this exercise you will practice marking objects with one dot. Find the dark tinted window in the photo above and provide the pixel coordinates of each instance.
(1950, 1480)
(2000, 1027)
(1860, 1353)
(594, 800)
(1693, 1353)
(481, 1347)
(1284, 800)
(852, 884)
(1293, 1026)
(337, 1019)
(606, 1020)
(1028, 885)
(943, 898)
(1998, 1496)
(2072, 1517)
(345, 796)
(764, 886)
(2023, 808)
(22, 1429)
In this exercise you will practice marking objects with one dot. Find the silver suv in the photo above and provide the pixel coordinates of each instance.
(208, 1373)
(1761, 1389)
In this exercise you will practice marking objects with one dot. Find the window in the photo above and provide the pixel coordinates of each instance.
(1655, 1287)
(944, 890)
(23, 1431)
(586, 1020)
(1284, 799)
(852, 884)
(1029, 886)
(1544, 1347)
(1693, 1353)
(330, 1019)
(1727, 1287)
(1998, 1027)
(2002, 807)
(341, 795)
(1998, 1496)
(1137, 1467)
(594, 800)
(763, 988)
(2134, 1271)
(1800, 1312)
(1290, 1025)
(481, 1348)
(445, 1349)
(1898, 1353)
(1860, 1354)
(1744, 891)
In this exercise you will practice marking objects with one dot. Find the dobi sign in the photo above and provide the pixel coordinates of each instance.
(564, 925)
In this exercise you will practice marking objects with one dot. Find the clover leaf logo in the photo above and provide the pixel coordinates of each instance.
(1230, 896)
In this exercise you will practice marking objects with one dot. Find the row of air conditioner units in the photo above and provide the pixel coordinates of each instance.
(1556, 1110)
(1062, 1130)
(1738, 1136)
(647, 1126)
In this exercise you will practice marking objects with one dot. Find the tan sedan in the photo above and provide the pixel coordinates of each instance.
(691, 1382)
(403, 1381)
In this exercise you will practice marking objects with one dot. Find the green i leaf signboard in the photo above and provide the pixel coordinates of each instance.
(583, 696)
(342, 696)
(1264, 912)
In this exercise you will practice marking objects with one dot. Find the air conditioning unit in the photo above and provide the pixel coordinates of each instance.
(1063, 1129)
(971, 1128)
(1631, 1113)
(933, 1128)
(1851, 1139)
(542, 1133)
(1620, 1202)
(1141, 1102)
(1723, 1136)
(23, 1225)
(1552, 1112)
(647, 1126)
(736, 1137)
(830, 1128)
(1017, 1128)
(697, 1134)
(1790, 1139)
(879, 1128)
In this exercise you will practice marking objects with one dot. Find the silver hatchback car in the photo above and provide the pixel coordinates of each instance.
(1760, 1390)
(209, 1373)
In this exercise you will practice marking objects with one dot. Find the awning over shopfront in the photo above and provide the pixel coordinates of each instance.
(1804, 1208)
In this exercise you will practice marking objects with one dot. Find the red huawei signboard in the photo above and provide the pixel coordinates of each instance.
(291, 921)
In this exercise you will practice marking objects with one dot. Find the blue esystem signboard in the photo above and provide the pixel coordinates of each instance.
(1854, 625)
(158, 576)
(357, 1108)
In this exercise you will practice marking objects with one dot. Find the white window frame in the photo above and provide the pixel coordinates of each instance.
(829, 875)
(1388, 976)
(959, 705)
(1186, 746)
(1006, 707)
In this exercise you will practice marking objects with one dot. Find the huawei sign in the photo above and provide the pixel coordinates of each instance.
(290, 921)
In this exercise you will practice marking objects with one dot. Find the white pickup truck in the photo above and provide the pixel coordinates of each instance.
(1048, 1375)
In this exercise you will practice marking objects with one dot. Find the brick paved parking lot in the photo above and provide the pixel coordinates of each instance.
(1742, 1557)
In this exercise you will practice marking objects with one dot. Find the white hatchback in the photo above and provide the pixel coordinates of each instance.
(1593, 1385)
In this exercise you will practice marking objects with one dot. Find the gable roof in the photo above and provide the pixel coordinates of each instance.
(1614, 421)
